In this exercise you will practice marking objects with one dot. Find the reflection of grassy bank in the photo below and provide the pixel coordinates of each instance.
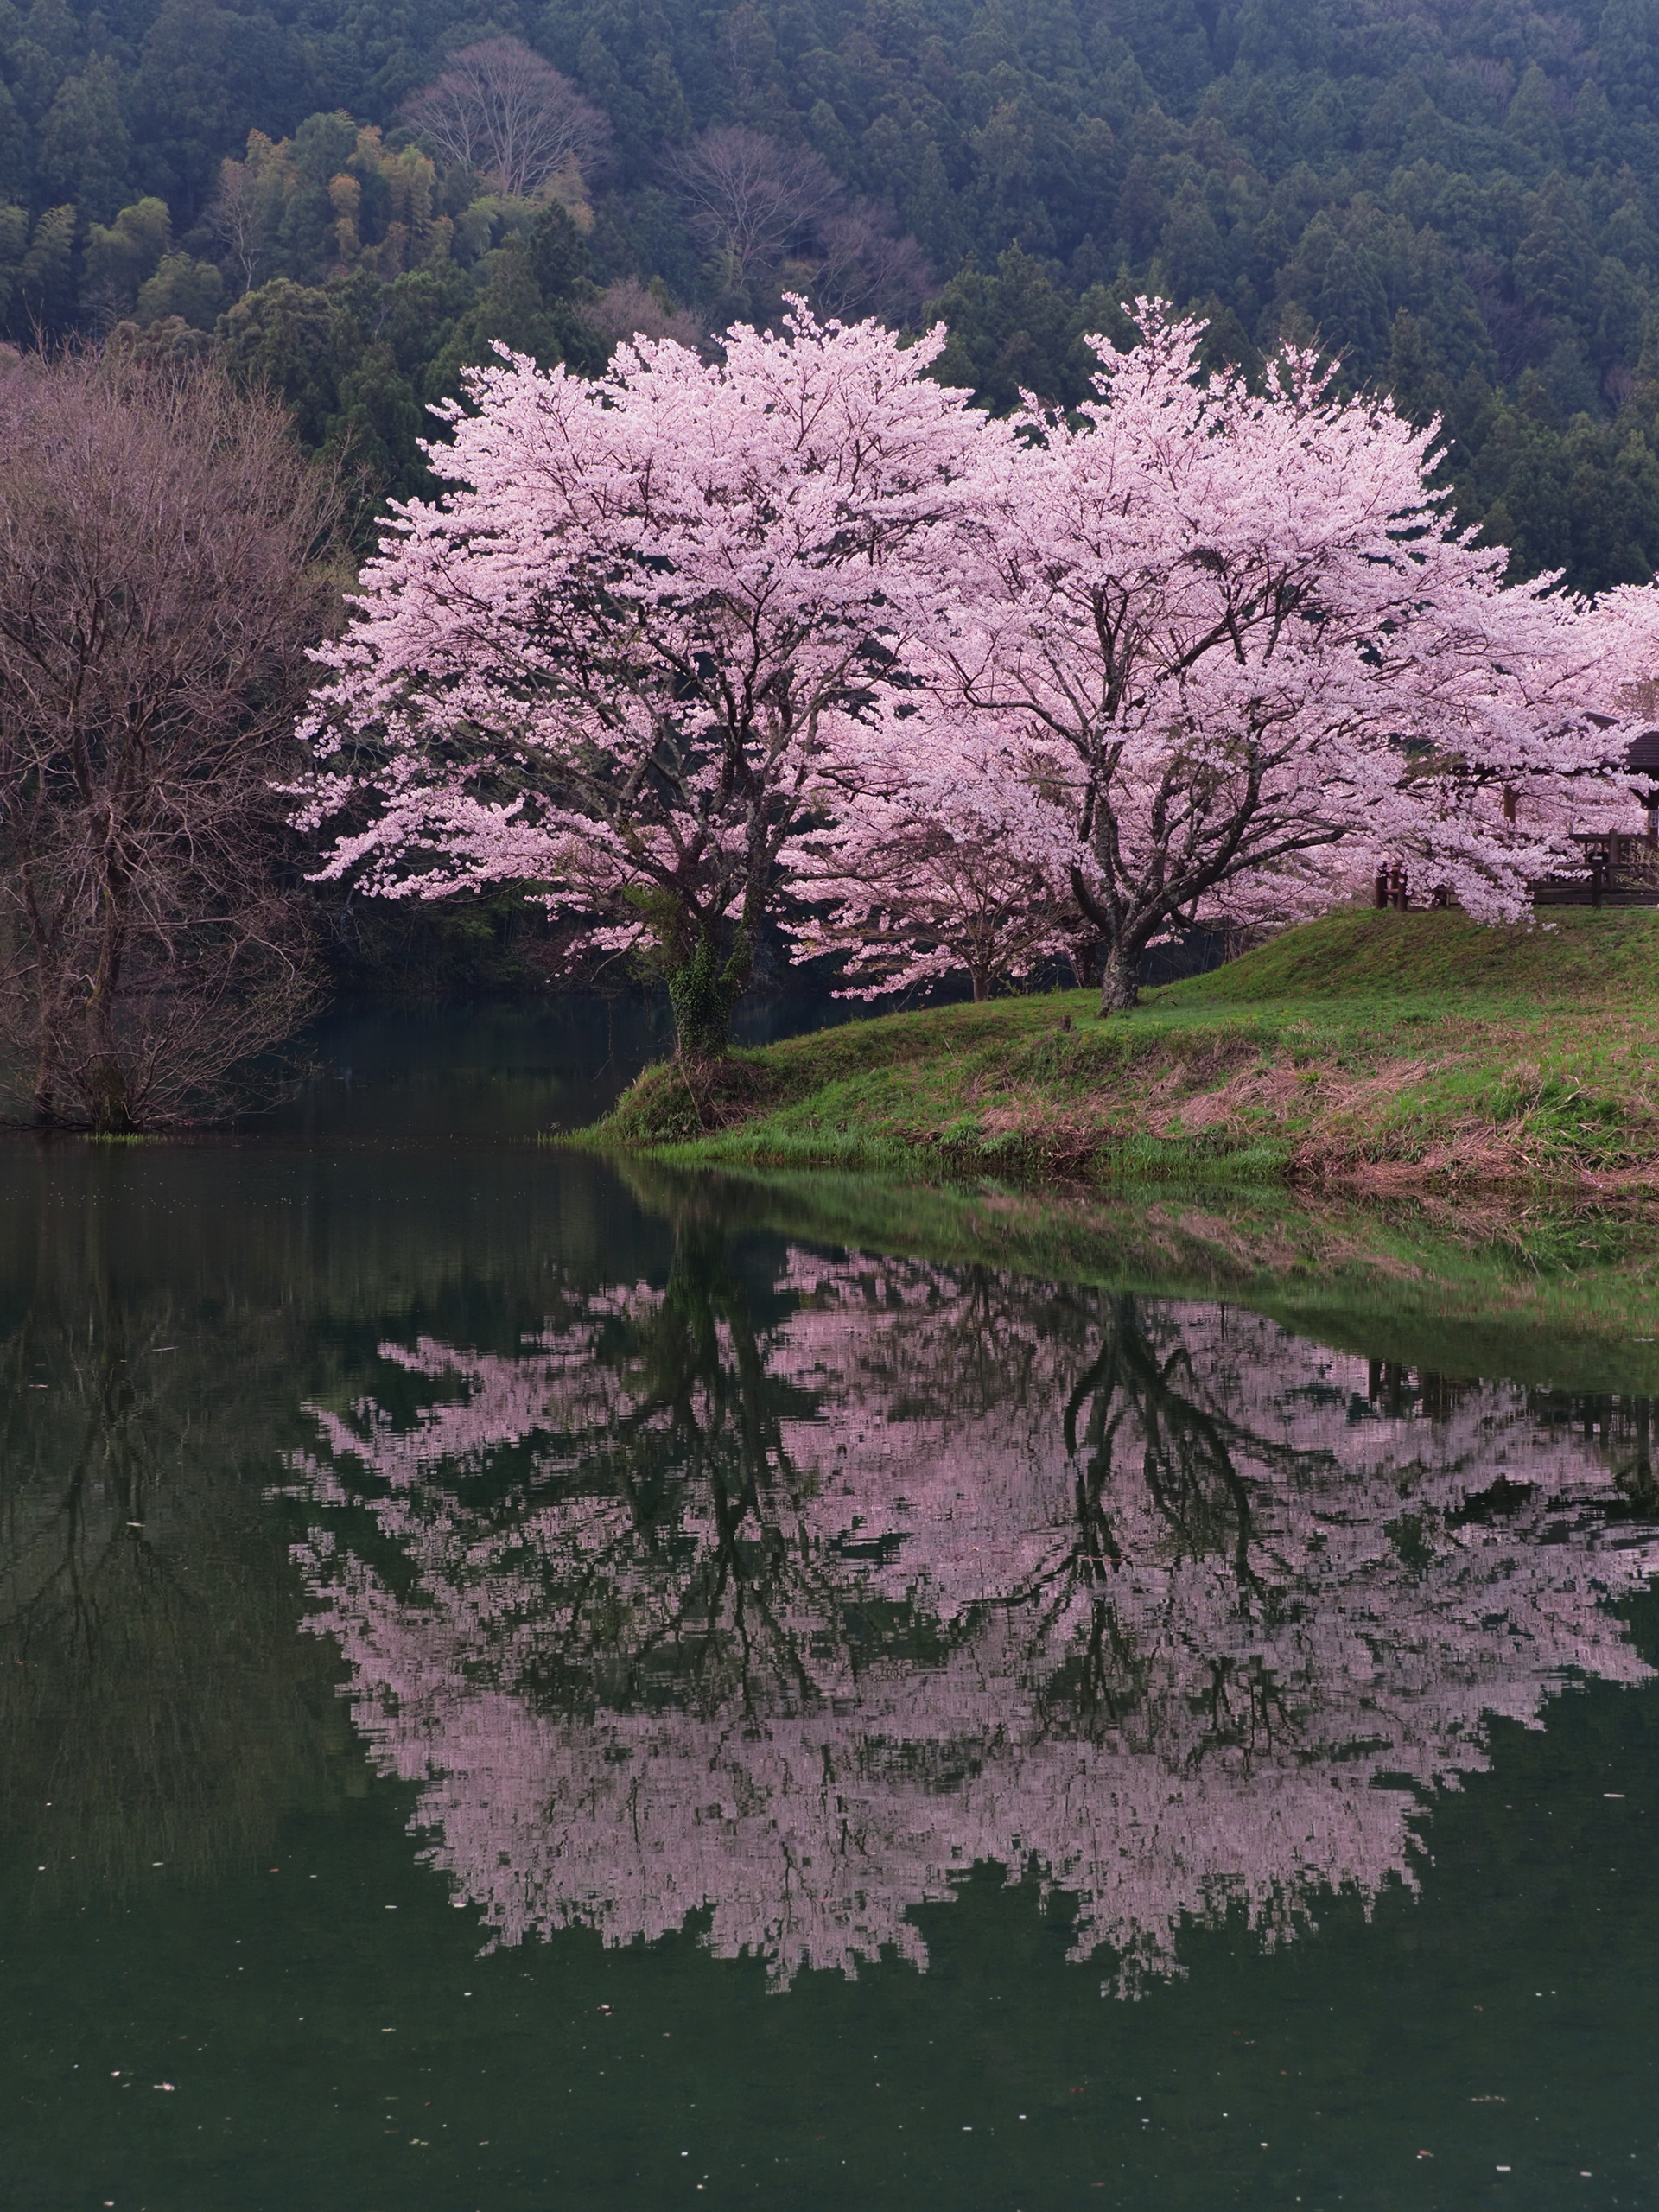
(1382, 1049)
(1553, 1295)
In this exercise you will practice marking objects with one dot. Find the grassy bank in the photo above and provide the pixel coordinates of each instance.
(1375, 1050)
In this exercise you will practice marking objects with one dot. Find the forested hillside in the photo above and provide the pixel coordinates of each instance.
(1461, 201)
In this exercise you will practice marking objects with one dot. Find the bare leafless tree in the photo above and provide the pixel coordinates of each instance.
(512, 118)
(867, 265)
(755, 204)
(629, 308)
(235, 219)
(162, 570)
(751, 199)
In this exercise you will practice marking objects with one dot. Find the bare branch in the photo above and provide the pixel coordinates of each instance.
(163, 549)
(750, 198)
(514, 120)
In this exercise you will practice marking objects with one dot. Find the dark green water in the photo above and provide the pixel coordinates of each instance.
(517, 1694)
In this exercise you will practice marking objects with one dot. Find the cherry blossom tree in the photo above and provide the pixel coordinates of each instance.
(696, 634)
(1233, 631)
(604, 665)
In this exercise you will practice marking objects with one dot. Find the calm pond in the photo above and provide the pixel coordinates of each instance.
(521, 1688)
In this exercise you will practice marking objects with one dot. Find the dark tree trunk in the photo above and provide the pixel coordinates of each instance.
(1084, 956)
(703, 991)
(1120, 956)
(45, 1100)
(1120, 980)
(106, 1080)
(106, 1090)
(46, 1071)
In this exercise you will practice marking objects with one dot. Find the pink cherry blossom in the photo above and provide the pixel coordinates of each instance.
(929, 860)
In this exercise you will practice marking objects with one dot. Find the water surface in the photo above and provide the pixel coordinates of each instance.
(519, 1691)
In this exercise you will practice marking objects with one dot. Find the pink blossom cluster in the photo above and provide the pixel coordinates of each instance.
(1178, 1617)
(797, 631)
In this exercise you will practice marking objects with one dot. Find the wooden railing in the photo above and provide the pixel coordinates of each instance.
(1619, 869)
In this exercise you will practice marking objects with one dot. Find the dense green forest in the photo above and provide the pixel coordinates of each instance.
(1463, 202)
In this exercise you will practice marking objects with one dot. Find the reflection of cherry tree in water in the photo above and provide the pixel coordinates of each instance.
(786, 1608)
(1145, 1402)
(1620, 1428)
(638, 1527)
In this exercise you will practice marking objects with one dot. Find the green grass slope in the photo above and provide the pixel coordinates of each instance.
(1373, 1049)
(1569, 952)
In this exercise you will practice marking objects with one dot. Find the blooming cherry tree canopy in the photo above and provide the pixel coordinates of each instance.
(1221, 631)
(604, 662)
